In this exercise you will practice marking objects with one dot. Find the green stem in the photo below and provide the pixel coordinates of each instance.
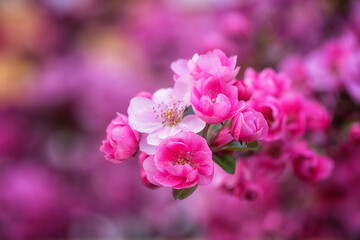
(212, 140)
(219, 148)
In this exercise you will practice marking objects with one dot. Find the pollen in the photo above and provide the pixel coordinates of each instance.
(183, 158)
(170, 113)
(212, 94)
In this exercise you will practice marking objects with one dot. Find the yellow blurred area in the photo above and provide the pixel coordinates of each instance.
(14, 73)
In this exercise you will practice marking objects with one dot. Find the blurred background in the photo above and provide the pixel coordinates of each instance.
(67, 67)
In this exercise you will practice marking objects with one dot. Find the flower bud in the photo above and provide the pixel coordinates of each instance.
(249, 125)
(121, 142)
(244, 92)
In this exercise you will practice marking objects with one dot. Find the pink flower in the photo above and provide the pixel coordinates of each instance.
(294, 108)
(267, 82)
(212, 64)
(273, 112)
(354, 132)
(317, 117)
(180, 161)
(325, 66)
(214, 101)
(309, 166)
(352, 76)
(162, 116)
(249, 125)
(244, 92)
(121, 141)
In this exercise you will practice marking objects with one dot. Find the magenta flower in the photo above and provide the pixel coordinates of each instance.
(212, 64)
(295, 110)
(317, 117)
(121, 141)
(249, 125)
(244, 92)
(352, 76)
(267, 82)
(273, 112)
(309, 166)
(214, 101)
(162, 116)
(180, 161)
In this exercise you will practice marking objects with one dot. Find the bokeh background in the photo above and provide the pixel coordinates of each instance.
(67, 67)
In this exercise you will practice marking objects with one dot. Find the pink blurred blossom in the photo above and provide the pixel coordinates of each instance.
(273, 111)
(309, 166)
(267, 82)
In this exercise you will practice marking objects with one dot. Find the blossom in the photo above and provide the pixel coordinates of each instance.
(309, 166)
(214, 101)
(249, 125)
(294, 106)
(244, 92)
(317, 117)
(267, 82)
(162, 116)
(121, 141)
(180, 161)
(352, 76)
(274, 114)
(212, 64)
(325, 66)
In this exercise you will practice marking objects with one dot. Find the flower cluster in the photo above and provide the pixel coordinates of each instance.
(211, 117)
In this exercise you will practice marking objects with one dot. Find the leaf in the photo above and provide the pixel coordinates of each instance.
(226, 162)
(183, 193)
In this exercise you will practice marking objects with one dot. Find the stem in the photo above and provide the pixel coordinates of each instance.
(212, 140)
(206, 129)
(219, 148)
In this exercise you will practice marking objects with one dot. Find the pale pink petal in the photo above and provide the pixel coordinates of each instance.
(180, 67)
(141, 117)
(192, 123)
(150, 170)
(162, 95)
(145, 146)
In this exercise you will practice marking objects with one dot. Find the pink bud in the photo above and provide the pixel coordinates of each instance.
(244, 92)
(121, 141)
(249, 125)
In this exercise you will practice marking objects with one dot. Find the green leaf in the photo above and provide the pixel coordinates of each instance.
(183, 193)
(226, 162)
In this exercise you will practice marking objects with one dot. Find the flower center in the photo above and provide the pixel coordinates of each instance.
(212, 94)
(183, 157)
(171, 113)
